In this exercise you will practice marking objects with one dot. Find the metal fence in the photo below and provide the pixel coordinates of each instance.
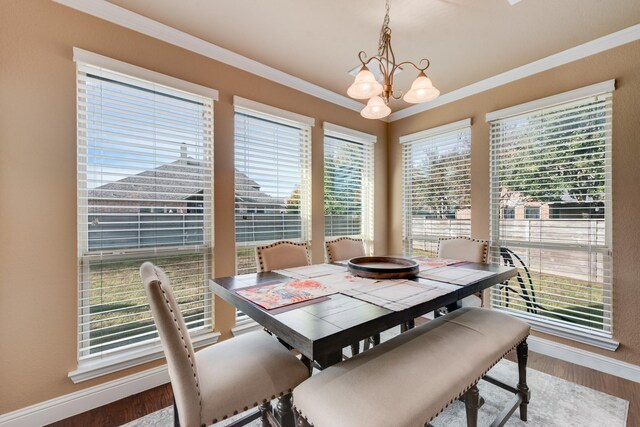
(120, 231)
(555, 246)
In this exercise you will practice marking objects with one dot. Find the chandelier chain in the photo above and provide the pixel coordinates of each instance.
(384, 30)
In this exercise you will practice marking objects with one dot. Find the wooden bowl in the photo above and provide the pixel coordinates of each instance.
(383, 267)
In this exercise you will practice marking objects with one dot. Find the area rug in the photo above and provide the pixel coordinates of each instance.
(554, 402)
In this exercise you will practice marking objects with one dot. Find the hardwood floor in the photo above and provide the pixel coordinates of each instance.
(122, 411)
(136, 406)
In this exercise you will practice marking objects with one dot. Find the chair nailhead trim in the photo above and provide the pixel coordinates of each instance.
(259, 250)
(452, 400)
(327, 245)
(175, 320)
(485, 251)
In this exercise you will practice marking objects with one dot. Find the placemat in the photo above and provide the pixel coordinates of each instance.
(279, 294)
(456, 275)
(398, 295)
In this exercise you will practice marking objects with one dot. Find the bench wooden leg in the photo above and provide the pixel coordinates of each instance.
(523, 353)
(284, 409)
(472, 403)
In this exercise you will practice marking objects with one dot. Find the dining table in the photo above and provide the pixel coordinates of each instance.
(321, 327)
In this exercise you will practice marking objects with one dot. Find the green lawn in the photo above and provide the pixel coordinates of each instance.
(564, 305)
(119, 309)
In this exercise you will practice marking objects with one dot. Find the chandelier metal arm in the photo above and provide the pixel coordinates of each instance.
(414, 65)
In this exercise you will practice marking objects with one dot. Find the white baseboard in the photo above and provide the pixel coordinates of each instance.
(75, 403)
(585, 358)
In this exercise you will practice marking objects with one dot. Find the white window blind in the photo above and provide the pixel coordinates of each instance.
(551, 215)
(348, 186)
(144, 193)
(436, 186)
(272, 182)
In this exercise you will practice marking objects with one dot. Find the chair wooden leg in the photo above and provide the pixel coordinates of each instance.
(376, 339)
(355, 348)
(308, 363)
(523, 354)
(284, 409)
(176, 418)
(264, 411)
(472, 403)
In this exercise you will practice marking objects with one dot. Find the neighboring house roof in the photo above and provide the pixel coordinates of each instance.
(248, 192)
(177, 181)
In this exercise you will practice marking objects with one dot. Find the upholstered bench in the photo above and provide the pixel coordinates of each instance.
(408, 380)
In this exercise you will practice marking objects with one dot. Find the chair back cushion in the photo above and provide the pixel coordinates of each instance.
(344, 248)
(176, 343)
(464, 249)
(283, 254)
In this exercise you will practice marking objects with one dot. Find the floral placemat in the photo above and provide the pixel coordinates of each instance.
(280, 294)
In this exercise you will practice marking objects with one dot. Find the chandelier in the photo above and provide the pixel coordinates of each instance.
(366, 86)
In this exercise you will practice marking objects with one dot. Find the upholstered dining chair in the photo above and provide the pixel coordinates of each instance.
(344, 248)
(224, 379)
(282, 254)
(465, 249)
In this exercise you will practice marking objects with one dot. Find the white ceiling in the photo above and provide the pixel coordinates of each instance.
(465, 40)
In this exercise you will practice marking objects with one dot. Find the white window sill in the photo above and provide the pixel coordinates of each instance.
(90, 369)
(600, 340)
(245, 326)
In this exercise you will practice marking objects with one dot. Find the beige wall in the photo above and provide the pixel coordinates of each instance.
(622, 64)
(38, 278)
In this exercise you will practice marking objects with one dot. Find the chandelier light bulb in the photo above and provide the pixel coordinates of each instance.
(422, 90)
(375, 109)
(365, 85)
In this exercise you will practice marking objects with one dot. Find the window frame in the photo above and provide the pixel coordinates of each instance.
(367, 141)
(595, 338)
(94, 365)
(461, 127)
(259, 111)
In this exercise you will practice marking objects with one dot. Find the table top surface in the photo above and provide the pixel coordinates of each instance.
(325, 325)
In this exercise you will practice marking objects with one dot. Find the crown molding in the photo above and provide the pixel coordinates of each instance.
(598, 45)
(133, 21)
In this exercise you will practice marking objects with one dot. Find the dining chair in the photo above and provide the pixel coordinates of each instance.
(465, 249)
(282, 254)
(224, 379)
(344, 248)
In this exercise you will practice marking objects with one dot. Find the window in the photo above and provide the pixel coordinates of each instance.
(272, 178)
(555, 154)
(348, 183)
(436, 186)
(532, 213)
(508, 213)
(144, 194)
